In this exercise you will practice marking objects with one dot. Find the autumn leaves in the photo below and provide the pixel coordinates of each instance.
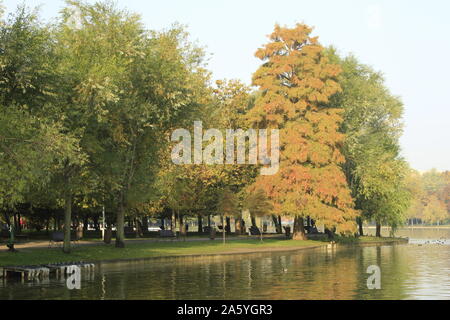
(296, 82)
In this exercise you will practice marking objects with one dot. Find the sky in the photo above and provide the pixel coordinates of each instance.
(407, 40)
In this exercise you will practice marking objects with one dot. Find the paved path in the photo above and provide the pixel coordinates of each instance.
(45, 244)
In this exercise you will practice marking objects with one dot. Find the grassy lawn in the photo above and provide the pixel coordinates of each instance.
(147, 250)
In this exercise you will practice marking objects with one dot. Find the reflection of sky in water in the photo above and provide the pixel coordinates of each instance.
(431, 270)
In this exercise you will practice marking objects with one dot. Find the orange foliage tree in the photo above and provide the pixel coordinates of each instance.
(296, 82)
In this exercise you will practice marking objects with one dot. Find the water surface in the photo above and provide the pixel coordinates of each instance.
(420, 270)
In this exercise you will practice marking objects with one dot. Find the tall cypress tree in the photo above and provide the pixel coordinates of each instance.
(296, 82)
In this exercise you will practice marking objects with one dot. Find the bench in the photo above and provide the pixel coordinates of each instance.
(166, 234)
(254, 231)
(56, 237)
(21, 237)
(129, 232)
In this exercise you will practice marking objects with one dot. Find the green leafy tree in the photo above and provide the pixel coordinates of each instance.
(33, 143)
(372, 124)
(129, 85)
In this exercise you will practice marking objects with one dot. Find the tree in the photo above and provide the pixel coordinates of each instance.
(296, 82)
(372, 124)
(258, 204)
(134, 85)
(429, 196)
(414, 185)
(434, 211)
(33, 138)
(231, 102)
(433, 182)
(227, 206)
(445, 195)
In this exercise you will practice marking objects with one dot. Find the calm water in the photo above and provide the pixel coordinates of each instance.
(420, 270)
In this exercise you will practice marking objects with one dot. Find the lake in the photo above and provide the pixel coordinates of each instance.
(419, 270)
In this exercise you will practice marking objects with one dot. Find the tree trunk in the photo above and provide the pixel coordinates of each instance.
(173, 220)
(238, 226)
(16, 227)
(299, 229)
(228, 225)
(253, 221)
(67, 218)
(330, 233)
(19, 225)
(378, 228)
(85, 223)
(261, 231)
(120, 223)
(360, 225)
(182, 228)
(280, 225)
(200, 223)
(139, 233)
(277, 222)
(145, 224)
(223, 230)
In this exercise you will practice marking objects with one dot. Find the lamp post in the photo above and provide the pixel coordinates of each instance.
(10, 245)
(103, 223)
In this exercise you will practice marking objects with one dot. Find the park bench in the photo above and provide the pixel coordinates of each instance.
(58, 237)
(311, 230)
(55, 238)
(129, 232)
(166, 234)
(254, 231)
(21, 237)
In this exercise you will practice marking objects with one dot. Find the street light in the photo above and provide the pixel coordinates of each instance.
(10, 245)
(103, 223)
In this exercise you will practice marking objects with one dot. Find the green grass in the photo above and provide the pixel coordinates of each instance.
(96, 253)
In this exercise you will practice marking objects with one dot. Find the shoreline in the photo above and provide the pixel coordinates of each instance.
(268, 246)
(273, 250)
(245, 252)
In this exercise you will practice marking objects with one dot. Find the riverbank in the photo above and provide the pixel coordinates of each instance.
(146, 250)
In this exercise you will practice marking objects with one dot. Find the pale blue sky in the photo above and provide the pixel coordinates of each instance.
(407, 40)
